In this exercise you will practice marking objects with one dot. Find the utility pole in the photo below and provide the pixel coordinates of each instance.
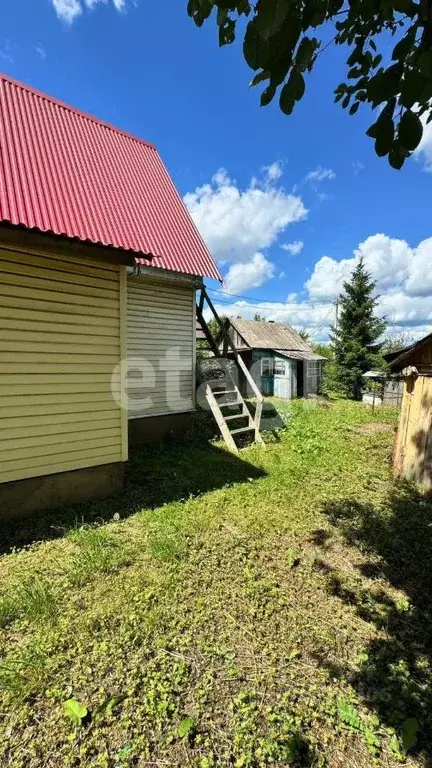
(337, 314)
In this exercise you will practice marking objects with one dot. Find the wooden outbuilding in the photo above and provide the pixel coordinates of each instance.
(413, 446)
(99, 266)
(280, 361)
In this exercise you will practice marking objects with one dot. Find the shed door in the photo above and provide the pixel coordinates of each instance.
(283, 378)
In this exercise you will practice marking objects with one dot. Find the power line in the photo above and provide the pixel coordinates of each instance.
(310, 305)
(321, 324)
(301, 306)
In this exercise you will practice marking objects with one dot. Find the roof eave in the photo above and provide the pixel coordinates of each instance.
(18, 237)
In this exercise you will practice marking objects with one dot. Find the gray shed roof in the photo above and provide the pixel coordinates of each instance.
(267, 335)
(294, 354)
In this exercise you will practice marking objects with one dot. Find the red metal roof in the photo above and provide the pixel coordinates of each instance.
(65, 172)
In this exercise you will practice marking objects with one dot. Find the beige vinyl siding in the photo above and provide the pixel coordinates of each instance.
(60, 341)
(160, 320)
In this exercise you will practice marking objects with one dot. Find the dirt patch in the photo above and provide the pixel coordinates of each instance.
(374, 426)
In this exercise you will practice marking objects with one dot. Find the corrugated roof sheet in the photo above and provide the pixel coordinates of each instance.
(265, 335)
(67, 173)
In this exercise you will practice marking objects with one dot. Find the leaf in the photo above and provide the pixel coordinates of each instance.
(292, 91)
(376, 61)
(199, 10)
(383, 143)
(255, 48)
(411, 88)
(396, 159)
(186, 726)
(75, 711)
(346, 101)
(410, 728)
(298, 84)
(124, 752)
(410, 130)
(227, 32)
(305, 52)
(425, 63)
(354, 73)
(355, 57)
(264, 75)
(267, 95)
(404, 46)
(271, 16)
(385, 84)
(286, 102)
(349, 715)
(402, 6)
(354, 108)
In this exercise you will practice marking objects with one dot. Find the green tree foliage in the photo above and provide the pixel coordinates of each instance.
(284, 38)
(355, 339)
(329, 384)
(304, 335)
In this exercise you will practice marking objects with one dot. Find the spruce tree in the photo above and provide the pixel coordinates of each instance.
(355, 339)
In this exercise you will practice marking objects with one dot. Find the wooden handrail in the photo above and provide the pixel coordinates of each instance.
(238, 357)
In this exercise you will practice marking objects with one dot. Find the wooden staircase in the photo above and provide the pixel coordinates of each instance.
(225, 394)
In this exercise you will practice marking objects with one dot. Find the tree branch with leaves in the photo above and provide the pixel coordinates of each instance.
(282, 44)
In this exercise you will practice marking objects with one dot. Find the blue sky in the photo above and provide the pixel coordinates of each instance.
(311, 179)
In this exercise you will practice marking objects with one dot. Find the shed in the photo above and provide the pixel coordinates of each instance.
(280, 361)
(413, 446)
(388, 389)
(99, 263)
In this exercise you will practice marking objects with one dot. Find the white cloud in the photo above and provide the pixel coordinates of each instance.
(390, 261)
(243, 277)
(404, 285)
(357, 166)
(40, 50)
(69, 10)
(273, 171)
(293, 248)
(423, 153)
(320, 174)
(316, 319)
(237, 223)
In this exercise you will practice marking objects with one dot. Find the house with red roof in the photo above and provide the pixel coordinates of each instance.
(99, 265)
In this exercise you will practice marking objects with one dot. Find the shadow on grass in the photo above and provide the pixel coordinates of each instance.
(154, 475)
(395, 676)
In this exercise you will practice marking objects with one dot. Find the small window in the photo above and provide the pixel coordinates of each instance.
(266, 366)
(279, 367)
(314, 369)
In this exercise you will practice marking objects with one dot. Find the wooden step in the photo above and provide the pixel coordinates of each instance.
(230, 403)
(237, 416)
(242, 429)
(224, 392)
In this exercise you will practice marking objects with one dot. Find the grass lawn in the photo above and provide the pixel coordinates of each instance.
(267, 609)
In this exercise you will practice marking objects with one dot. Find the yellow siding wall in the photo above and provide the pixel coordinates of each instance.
(60, 339)
(160, 317)
(413, 449)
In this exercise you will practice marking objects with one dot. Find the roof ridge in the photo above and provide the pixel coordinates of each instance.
(74, 110)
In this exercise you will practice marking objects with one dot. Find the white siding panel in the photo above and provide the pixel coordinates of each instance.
(160, 327)
(60, 339)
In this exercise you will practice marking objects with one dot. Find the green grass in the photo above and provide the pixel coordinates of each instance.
(266, 609)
